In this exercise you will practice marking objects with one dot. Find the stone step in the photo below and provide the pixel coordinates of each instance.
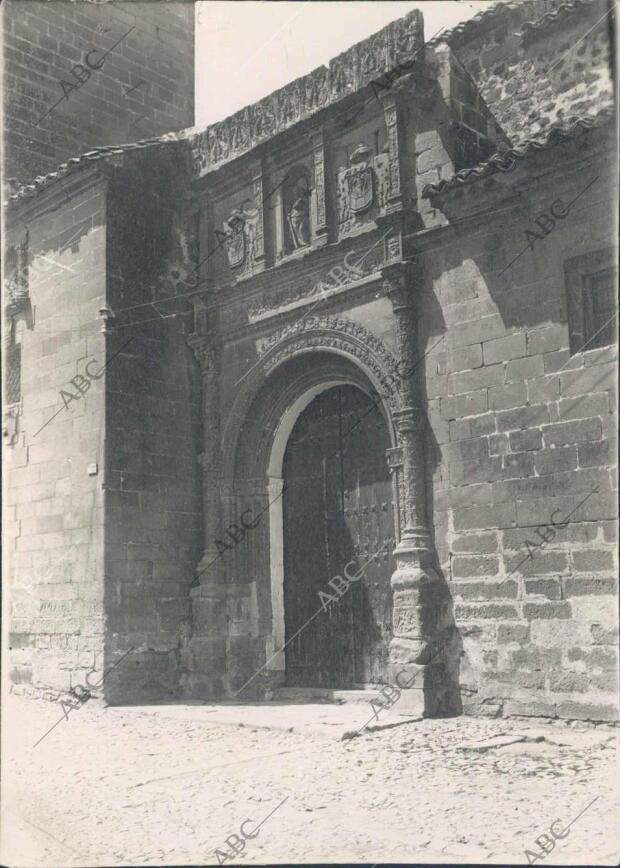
(323, 694)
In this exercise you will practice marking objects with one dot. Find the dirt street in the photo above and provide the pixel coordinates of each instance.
(117, 786)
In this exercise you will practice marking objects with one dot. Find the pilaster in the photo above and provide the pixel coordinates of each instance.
(320, 209)
(393, 123)
(259, 202)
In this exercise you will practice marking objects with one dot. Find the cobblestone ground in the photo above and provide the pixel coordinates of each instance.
(115, 787)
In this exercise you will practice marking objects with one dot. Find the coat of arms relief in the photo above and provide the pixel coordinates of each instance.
(362, 188)
(240, 231)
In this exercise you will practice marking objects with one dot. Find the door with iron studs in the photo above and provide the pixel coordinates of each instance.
(338, 507)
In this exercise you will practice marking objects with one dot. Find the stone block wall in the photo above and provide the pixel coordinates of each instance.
(522, 437)
(145, 87)
(534, 69)
(53, 500)
(153, 534)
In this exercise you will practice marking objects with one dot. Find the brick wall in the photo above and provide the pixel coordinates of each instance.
(521, 432)
(54, 471)
(43, 41)
(153, 481)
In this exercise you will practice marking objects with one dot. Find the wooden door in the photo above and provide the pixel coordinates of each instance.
(337, 508)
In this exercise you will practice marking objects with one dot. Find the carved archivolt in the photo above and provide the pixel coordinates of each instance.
(317, 333)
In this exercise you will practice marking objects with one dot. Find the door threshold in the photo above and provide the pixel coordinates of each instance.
(337, 695)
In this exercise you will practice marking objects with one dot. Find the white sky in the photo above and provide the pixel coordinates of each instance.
(246, 49)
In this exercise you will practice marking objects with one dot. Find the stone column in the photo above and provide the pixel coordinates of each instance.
(414, 657)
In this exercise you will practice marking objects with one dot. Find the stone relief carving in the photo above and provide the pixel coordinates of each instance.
(262, 120)
(343, 75)
(288, 104)
(219, 142)
(406, 38)
(399, 42)
(315, 89)
(358, 263)
(373, 57)
(240, 132)
(319, 186)
(369, 348)
(391, 121)
(360, 180)
(243, 230)
(362, 189)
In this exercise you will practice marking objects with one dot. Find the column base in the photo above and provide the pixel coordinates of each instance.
(416, 654)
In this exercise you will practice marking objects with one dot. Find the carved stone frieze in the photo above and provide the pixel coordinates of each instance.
(343, 74)
(240, 138)
(288, 104)
(358, 263)
(407, 38)
(315, 90)
(368, 60)
(219, 142)
(262, 120)
(373, 60)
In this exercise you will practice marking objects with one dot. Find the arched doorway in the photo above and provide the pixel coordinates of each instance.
(337, 507)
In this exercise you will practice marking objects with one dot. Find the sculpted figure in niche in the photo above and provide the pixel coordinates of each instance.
(299, 213)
